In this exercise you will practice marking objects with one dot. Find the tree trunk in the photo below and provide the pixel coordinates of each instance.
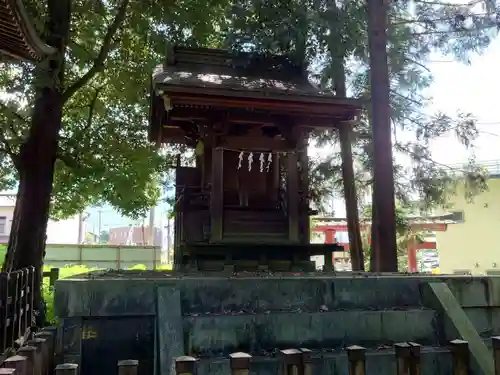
(350, 196)
(374, 246)
(39, 152)
(385, 225)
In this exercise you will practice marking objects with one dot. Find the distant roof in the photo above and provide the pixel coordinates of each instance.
(238, 74)
(18, 38)
(448, 218)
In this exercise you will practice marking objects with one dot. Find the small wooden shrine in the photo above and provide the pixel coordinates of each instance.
(18, 38)
(247, 117)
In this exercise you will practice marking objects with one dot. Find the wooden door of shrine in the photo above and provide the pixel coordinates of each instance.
(249, 180)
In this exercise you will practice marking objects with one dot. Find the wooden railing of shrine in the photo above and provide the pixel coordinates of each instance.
(300, 361)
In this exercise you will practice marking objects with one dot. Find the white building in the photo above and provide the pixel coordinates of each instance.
(58, 232)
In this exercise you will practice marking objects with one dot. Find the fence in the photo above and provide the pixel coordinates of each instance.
(53, 276)
(36, 357)
(16, 306)
(300, 361)
(102, 256)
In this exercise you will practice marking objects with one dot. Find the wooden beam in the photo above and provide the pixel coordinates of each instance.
(254, 143)
(257, 98)
(341, 112)
(216, 195)
(264, 117)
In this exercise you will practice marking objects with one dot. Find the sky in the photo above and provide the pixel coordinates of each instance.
(469, 88)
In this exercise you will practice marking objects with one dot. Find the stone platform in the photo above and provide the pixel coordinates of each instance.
(155, 317)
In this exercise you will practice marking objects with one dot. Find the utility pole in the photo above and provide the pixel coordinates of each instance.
(80, 228)
(152, 226)
(169, 240)
(384, 203)
(99, 225)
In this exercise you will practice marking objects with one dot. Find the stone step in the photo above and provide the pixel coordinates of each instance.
(434, 361)
(259, 294)
(207, 335)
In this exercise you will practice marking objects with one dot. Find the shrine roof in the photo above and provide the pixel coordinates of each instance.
(242, 75)
(18, 38)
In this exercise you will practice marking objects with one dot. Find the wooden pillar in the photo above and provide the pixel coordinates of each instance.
(412, 255)
(293, 196)
(216, 195)
(276, 164)
(351, 200)
(304, 189)
(330, 239)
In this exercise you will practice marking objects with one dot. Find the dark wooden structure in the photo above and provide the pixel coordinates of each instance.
(248, 118)
(18, 38)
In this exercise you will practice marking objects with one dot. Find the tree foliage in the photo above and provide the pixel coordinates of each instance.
(104, 154)
(326, 33)
(115, 45)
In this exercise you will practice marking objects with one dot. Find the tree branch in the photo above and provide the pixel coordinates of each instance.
(103, 53)
(14, 113)
(67, 160)
(72, 162)
(92, 104)
(8, 150)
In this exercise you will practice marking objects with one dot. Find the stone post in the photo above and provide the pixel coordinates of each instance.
(357, 360)
(240, 363)
(460, 357)
(128, 367)
(291, 360)
(17, 362)
(306, 361)
(41, 367)
(67, 369)
(185, 365)
(30, 353)
(495, 341)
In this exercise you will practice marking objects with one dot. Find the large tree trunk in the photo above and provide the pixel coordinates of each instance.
(350, 196)
(385, 215)
(374, 246)
(38, 154)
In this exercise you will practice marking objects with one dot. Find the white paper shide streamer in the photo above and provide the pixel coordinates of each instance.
(240, 160)
(250, 161)
(265, 160)
(269, 161)
(262, 160)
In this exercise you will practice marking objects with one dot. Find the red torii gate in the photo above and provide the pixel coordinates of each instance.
(340, 225)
